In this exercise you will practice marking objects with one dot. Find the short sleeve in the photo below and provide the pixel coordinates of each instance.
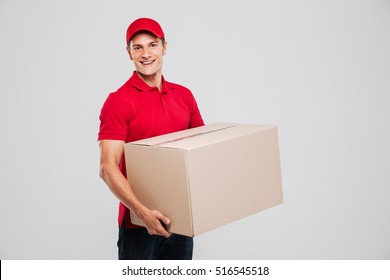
(196, 118)
(114, 118)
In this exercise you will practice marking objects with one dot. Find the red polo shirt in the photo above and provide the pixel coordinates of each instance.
(137, 111)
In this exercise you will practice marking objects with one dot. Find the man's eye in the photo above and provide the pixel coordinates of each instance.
(154, 45)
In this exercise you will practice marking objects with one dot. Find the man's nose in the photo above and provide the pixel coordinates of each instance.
(145, 53)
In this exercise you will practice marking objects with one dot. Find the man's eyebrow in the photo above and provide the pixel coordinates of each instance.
(152, 42)
(149, 43)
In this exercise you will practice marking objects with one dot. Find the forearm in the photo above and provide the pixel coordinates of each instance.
(121, 188)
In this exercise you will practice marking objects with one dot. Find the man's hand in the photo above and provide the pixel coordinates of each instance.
(154, 221)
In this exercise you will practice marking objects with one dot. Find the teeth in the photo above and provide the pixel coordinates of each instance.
(147, 62)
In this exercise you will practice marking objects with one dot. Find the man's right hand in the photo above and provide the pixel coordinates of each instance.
(154, 222)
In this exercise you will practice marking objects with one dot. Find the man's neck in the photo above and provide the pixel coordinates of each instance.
(152, 80)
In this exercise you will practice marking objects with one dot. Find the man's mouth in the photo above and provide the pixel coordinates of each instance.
(147, 62)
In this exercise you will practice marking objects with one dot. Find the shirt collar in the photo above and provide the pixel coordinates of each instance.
(139, 84)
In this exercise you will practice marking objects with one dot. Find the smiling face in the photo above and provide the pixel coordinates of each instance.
(147, 51)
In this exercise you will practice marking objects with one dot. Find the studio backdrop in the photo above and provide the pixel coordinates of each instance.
(319, 70)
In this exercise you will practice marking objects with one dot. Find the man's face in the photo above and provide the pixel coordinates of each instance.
(147, 53)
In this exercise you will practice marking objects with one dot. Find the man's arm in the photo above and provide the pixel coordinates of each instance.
(111, 152)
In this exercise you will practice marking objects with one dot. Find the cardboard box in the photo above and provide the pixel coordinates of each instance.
(206, 177)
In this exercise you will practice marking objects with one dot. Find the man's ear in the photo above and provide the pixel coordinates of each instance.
(165, 48)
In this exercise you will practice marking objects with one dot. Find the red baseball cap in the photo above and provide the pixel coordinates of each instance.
(144, 24)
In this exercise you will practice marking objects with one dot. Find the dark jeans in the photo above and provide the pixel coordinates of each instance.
(137, 244)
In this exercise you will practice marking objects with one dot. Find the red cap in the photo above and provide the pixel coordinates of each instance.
(146, 24)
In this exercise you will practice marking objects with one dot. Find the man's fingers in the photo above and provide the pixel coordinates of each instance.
(166, 221)
(162, 218)
(158, 228)
(165, 233)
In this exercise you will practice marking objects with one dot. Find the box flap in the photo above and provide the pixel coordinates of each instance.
(215, 136)
(179, 135)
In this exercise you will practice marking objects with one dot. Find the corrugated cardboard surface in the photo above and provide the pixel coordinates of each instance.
(159, 179)
(206, 177)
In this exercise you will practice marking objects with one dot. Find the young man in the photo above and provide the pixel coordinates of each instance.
(145, 106)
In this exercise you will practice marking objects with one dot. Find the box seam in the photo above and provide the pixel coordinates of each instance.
(189, 194)
(192, 135)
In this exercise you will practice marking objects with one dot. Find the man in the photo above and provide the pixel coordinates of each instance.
(145, 106)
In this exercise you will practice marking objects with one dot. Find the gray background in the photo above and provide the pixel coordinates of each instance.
(320, 70)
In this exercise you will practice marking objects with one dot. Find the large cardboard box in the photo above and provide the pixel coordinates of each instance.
(206, 177)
